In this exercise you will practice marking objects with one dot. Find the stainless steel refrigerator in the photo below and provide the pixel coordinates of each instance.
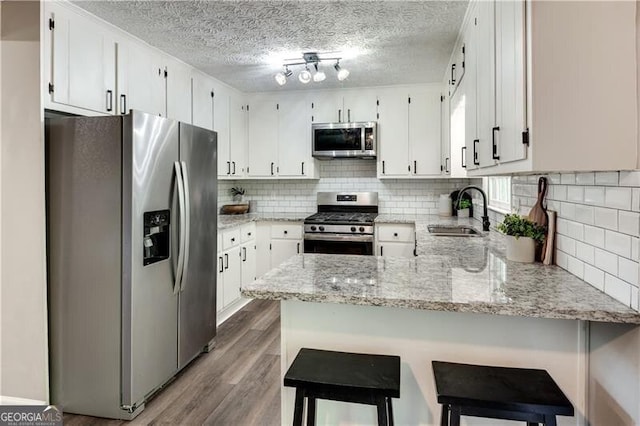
(131, 220)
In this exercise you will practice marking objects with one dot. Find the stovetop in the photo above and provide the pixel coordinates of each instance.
(342, 218)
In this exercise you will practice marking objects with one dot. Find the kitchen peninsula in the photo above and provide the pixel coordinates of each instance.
(459, 300)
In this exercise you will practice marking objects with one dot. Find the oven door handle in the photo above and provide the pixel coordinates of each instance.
(339, 237)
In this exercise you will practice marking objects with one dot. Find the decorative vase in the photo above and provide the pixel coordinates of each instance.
(521, 249)
(463, 212)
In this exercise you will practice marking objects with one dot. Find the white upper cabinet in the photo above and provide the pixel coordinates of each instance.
(202, 103)
(81, 66)
(409, 132)
(294, 136)
(361, 105)
(327, 107)
(237, 136)
(141, 78)
(263, 138)
(178, 90)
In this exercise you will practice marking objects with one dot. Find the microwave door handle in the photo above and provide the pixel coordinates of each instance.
(363, 133)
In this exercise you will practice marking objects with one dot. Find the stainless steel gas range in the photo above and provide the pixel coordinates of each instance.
(343, 224)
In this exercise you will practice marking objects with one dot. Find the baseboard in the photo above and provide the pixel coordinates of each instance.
(12, 400)
(228, 312)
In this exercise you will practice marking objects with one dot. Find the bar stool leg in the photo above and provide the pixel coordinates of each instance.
(455, 415)
(299, 407)
(311, 411)
(444, 417)
(382, 412)
(390, 411)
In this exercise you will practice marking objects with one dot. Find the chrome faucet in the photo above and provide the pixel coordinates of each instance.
(485, 217)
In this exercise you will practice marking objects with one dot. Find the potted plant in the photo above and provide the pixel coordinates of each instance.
(463, 207)
(238, 194)
(522, 237)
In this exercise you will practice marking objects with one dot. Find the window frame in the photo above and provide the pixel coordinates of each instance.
(498, 203)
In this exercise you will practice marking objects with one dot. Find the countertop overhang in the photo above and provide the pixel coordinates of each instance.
(454, 274)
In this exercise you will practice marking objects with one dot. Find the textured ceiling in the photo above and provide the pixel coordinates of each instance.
(243, 43)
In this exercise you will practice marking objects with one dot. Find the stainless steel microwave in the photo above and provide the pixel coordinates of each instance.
(344, 140)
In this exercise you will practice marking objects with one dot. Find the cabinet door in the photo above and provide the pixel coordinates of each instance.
(83, 62)
(220, 284)
(445, 138)
(282, 250)
(248, 254)
(202, 101)
(221, 119)
(424, 133)
(263, 138)
(485, 88)
(471, 141)
(263, 248)
(360, 106)
(178, 91)
(510, 75)
(144, 84)
(393, 134)
(237, 136)
(327, 108)
(388, 249)
(457, 127)
(294, 136)
(232, 275)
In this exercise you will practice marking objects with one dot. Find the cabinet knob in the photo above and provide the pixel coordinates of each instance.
(285, 231)
(233, 239)
(395, 234)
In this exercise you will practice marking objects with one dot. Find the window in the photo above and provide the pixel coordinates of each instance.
(499, 193)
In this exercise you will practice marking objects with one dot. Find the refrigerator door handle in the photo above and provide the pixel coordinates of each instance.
(181, 211)
(187, 227)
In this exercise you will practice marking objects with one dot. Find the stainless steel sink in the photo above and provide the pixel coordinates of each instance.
(454, 230)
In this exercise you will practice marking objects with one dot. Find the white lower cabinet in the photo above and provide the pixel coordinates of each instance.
(395, 240)
(276, 242)
(232, 276)
(236, 266)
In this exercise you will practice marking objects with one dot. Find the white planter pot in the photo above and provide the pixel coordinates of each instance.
(522, 249)
(463, 213)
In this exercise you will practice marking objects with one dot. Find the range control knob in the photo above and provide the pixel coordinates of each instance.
(321, 228)
(353, 229)
(313, 228)
(362, 229)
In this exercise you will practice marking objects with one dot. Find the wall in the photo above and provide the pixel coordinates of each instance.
(23, 329)
(396, 196)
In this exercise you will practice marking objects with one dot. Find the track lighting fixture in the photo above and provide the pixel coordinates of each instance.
(305, 75)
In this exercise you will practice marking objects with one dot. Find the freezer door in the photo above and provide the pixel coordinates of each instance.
(197, 306)
(150, 307)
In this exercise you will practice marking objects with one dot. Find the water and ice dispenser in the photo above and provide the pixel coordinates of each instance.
(156, 236)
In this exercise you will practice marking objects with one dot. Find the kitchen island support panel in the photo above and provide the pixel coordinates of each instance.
(418, 337)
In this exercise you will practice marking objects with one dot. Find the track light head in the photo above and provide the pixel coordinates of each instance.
(342, 73)
(304, 76)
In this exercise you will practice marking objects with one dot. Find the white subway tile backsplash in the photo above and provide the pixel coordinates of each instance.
(585, 178)
(575, 230)
(606, 218)
(594, 236)
(594, 195)
(607, 178)
(634, 298)
(594, 276)
(606, 261)
(635, 249)
(630, 178)
(584, 214)
(619, 198)
(585, 252)
(635, 199)
(562, 259)
(568, 210)
(628, 270)
(575, 266)
(562, 227)
(617, 289)
(568, 178)
(566, 244)
(629, 222)
(618, 243)
(559, 192)
(575, 194)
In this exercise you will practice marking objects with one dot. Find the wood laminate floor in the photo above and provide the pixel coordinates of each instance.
(238, 383)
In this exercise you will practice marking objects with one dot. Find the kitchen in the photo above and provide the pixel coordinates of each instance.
(597, 209)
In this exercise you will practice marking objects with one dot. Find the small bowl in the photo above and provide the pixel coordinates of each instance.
(235, 208)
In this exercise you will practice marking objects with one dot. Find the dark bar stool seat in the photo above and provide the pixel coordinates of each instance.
(526, 395)
(343, 376)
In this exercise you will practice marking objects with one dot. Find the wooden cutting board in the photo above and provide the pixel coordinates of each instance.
(538, 213)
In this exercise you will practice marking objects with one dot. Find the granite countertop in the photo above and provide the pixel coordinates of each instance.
(456, 274)
(230, 220)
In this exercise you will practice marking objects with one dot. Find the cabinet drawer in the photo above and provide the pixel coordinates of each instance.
(230, 238)
(404, 233)
(286, 231)
(247, 232)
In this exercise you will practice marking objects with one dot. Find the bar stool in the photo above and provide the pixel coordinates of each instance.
(526, 395)
(343, 376)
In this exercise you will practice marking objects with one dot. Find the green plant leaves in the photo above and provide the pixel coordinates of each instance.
(519, 226)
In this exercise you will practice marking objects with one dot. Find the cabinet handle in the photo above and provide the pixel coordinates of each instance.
(409, 167)
(298, 248)
(249, 234)
(380, 250)
(221, 264)
(382, 166)
(453, 74)
(494, 146)
(395, 234)
(303, 168)
(464, 157)
(339, 116)
(244, 251)
(446, 165)
(285, 232)
(271, 169)
(226, 260)
(109, 100)
(415, 167)
(233, 239)
(349, 115)
(475, 152)
(228, 167)
(234, 168)
(123, 104)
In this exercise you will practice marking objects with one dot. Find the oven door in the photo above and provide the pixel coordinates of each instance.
(338, 244)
